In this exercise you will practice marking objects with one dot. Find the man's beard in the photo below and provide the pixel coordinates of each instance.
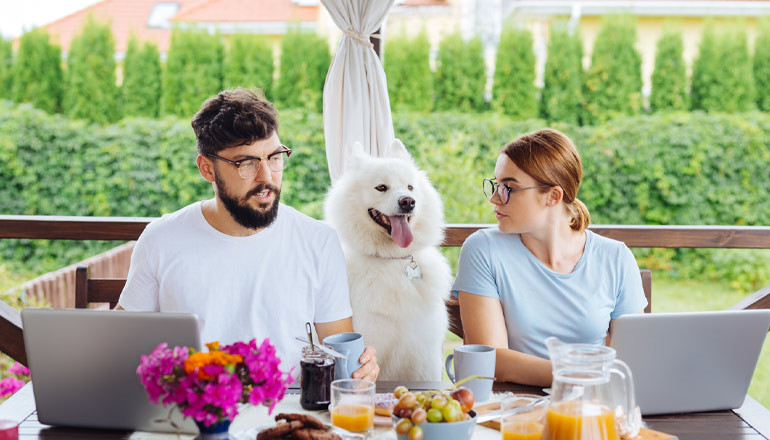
(245, 215)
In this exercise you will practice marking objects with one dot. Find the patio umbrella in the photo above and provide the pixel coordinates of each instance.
(356, 104)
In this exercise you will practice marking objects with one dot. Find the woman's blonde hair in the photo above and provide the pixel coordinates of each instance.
(551, 158)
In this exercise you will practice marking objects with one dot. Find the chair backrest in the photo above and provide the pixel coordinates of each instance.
(96, 290)
(456, 323)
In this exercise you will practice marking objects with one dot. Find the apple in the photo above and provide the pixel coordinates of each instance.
(465, 397)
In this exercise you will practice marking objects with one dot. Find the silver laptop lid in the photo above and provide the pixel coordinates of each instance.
(83, 365)
(691, 361)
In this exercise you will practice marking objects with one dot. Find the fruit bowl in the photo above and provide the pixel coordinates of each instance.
(461, 430)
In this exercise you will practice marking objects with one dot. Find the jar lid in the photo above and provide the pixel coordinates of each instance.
(315, 353)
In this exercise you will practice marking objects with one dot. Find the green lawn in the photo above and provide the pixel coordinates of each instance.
(684, 296)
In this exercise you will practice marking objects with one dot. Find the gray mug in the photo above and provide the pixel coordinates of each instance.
(350, 344)
(473, 360)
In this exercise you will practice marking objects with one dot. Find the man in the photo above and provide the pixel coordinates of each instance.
(247, 265)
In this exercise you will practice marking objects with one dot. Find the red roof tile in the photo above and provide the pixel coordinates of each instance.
(246, 11)
(128, 16)
(125, 16)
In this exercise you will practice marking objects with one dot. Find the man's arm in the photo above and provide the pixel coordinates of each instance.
(141, 292)
(370, 370)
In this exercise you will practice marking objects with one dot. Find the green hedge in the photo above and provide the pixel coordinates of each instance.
(304, 62)
(249, 63)
(678, 168)
(762, 65)
(722, 78)
(6, 63)
(193, 71)
(613, 84)
(669, 79)
(562, 95)
(91, 92)
(37, 72)
(407, 69)
(514, 92)
(460, 75)
(141, 79)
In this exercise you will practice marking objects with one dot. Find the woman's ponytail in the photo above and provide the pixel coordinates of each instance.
(580, 216)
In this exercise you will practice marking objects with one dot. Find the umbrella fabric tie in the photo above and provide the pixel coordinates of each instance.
(361, 38)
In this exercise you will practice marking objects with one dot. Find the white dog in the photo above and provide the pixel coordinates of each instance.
(389, 219)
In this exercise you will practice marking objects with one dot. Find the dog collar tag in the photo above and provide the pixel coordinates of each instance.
(413, 270)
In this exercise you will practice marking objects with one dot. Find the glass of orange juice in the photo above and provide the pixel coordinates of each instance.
(522, 417)
(352, 405)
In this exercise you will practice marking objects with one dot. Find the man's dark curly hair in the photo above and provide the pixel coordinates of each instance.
(233, 118)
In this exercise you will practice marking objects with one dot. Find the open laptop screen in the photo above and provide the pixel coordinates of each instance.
(83, 365)
(691, 361)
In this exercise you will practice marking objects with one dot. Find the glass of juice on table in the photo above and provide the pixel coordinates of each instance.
(522, 418)
(352, 405)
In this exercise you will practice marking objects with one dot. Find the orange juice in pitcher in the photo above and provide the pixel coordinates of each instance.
(579, 421)
(583, 401)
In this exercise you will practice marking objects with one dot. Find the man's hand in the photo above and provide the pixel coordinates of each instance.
(370, 370)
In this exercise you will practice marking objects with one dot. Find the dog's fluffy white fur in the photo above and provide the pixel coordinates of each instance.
(404, 319)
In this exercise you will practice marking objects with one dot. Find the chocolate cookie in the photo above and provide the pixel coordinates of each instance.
(313, 434)
(279, 430)
(307, 420)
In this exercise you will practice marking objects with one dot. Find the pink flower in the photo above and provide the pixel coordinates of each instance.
(161, 370)
(269, 383)
(10, 385)
(214, 396)
(18, 369)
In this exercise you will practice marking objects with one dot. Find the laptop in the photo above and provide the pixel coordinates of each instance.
(691, 361)
(83, 366)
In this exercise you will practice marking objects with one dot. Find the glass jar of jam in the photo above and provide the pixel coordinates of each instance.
(317, 374)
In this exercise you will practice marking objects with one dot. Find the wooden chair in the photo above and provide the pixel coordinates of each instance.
(456, 323)
(96, 290)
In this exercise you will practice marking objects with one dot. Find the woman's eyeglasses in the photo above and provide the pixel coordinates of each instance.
(503, 191)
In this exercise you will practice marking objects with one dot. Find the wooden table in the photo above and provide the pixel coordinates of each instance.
(749, 422)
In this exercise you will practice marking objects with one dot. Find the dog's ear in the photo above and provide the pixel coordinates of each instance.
(355, 156)
(398, 150)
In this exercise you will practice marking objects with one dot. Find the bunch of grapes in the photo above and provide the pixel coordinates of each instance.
(435, 406)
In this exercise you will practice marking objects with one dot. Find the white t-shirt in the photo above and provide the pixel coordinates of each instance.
(266, 285)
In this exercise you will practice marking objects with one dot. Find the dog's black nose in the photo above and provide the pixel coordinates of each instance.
(406, 204)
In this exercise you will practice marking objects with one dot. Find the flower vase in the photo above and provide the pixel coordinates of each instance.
(217, 431)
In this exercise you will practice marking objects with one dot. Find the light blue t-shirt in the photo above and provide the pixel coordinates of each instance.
(539, 302)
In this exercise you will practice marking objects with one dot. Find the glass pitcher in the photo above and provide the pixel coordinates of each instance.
(584, 405)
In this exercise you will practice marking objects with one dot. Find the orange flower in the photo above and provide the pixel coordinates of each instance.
(196, 362)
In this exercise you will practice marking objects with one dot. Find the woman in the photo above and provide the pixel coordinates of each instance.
(541, 273)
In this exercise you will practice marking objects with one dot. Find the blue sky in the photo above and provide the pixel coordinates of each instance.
(16, 16)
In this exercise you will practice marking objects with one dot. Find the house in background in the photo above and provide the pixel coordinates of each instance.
(152, 20)
(486, 18)
(687, 16)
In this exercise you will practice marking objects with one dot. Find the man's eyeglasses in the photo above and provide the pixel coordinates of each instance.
(502, 190)
(248, 167)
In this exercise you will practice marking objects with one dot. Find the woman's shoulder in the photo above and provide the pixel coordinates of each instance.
(488, 236)
(492, 243)
(604, 244)
(607, 252)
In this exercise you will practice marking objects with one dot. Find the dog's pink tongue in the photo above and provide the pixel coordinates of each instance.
(400, 231)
